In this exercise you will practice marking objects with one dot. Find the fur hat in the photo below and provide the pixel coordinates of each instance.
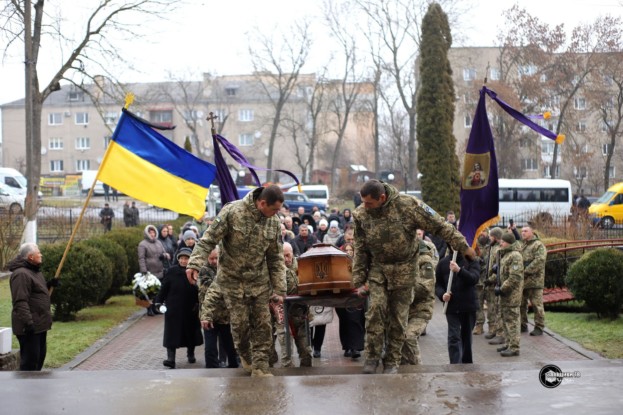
(189, 235)
(184, 252)
(496, 233)
(323, 221)
(508, 237)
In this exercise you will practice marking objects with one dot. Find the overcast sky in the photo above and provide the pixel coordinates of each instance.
(209, 36)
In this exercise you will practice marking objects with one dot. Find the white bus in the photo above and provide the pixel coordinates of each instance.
(527, 200)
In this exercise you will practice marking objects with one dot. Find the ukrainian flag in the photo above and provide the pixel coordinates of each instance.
(147, 166)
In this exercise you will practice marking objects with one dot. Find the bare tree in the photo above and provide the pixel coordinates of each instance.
(91, 50)
(277, 66)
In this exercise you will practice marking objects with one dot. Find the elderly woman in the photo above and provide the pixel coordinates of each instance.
(151, 256)
(181, 320)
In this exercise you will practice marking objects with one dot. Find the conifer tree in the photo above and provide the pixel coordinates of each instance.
(187, 145)
(437, 159)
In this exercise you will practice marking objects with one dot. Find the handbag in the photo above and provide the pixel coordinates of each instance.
(320, 315)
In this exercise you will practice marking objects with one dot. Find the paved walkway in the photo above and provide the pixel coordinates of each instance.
(137, 345)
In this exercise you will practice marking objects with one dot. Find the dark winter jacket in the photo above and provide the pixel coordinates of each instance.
(150, 253)
(31, 300)
(464, 282)
(181, 320)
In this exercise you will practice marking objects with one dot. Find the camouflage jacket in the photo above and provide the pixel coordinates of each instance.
(292, 277)
(207, 275)
(534, 255)
(511, 275)
(213, 306)
(386, 241)
(247, 240)
(425, 279)
(493, 258)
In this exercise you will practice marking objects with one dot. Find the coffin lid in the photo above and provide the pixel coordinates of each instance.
(323, 250)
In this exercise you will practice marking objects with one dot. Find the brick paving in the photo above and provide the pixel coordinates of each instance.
(138, 346)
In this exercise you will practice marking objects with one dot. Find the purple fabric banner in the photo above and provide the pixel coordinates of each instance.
(479, 184)
(229, 193)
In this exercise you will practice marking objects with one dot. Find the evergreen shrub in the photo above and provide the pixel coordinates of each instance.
(118, 259)
(128, 239)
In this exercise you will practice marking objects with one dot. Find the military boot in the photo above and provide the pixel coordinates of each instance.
(501, 349)
(259, 373)
(536, 332)
(477, 330)
(490, 335)
(524, 329)
(497, 340)
(306, 361)
(370, 366)
(509, 353)
(390, 370)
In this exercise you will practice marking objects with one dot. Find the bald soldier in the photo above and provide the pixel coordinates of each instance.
(249, 233)
(385, 265)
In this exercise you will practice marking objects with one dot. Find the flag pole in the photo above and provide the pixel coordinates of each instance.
(128, 100)
(448, 290)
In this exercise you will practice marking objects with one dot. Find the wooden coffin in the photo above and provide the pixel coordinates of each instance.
(324, 268)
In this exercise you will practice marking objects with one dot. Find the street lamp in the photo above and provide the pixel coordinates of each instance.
(390, 177)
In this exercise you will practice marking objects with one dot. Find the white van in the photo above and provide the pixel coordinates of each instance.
(315, 192)
(13, 178)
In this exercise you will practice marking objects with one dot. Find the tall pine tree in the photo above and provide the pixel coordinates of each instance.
(437, 159)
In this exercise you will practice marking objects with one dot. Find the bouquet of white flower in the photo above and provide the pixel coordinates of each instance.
(145, 288)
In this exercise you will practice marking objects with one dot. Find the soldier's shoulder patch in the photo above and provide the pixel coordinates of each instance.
(427, 208)
(515, 267)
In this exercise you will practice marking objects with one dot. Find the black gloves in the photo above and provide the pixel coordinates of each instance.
(29, 329)
(54, 282)
(161, 257)
(494, 268)
(497, 291)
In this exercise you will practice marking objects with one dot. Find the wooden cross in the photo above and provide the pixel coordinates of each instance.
(211, 118)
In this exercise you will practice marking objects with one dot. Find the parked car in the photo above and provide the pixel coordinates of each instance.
(294, 200)
(11, 200)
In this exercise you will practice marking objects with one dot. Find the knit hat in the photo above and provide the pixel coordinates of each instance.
(508, 237)
(323, 221)
(496, 233)
(189, 235)
(334, 224)
(184, 252)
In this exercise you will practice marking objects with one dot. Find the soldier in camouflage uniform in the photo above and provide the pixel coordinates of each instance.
(248, 232)
(511, 278)
(385, 265)
(215, 307)
(483, 246)
(421, 309)
(297, 314)
(534, 256)
(496, 328)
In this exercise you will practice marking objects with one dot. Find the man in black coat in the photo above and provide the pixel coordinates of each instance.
(31, 317)
(181, 320)
(304, 240)
(462, 304)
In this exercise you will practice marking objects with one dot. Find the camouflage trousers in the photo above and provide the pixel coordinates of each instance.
(386, 318)
(251, 327)
(299, 335)
(493, 312)
(420, 313)
(510, 321)
(535, 295)
(481, 317)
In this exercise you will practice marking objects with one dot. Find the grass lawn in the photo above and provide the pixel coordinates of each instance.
(602, 336)
(67, 339)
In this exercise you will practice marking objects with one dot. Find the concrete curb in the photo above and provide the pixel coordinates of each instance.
(99, 344)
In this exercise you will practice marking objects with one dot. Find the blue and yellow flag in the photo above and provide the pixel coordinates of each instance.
(147, 166)
(479, 185)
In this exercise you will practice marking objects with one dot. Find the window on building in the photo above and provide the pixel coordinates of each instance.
(220, 115)
(245, 115)
(56, 166)
(110, 118)
(83, 143)
(55, 143)
(579, 103)
(580, 172)
(581, 126)
(231, 91)
(611, 172)
(245, 139)
(468, 121)
(547, 171)
(161, 117)
(82, 118)
(494, 74)
(525, 143)
(82, 165)
(527, 70)
(585, 149)
(528, 164)
(75, 96)
(55, 118)
(107, 141)
(547, 147)
(469, 74)
(605, 149)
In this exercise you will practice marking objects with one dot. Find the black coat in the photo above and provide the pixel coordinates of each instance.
(181, 321)
(464, 282)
